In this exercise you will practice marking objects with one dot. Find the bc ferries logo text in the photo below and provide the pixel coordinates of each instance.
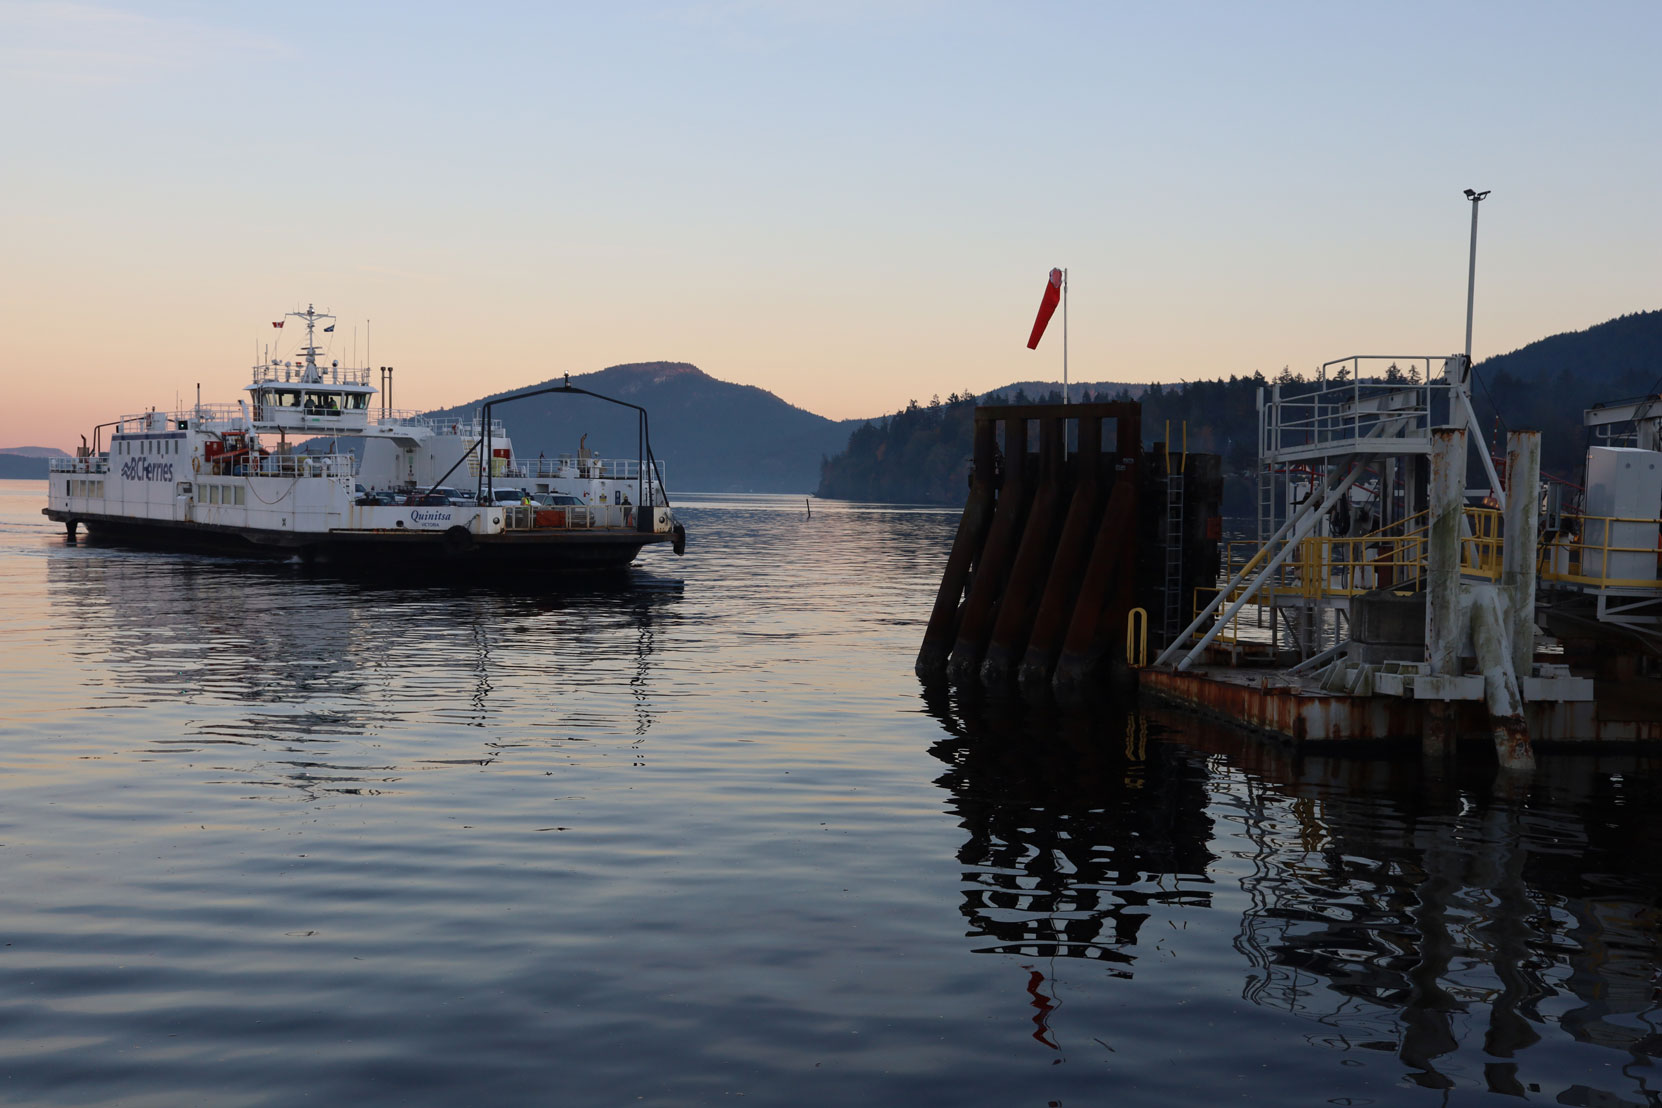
(142, 469)
(419, 516)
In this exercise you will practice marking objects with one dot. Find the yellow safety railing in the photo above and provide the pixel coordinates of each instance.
(1589, 557)
(1480, 543)
(1605, 554)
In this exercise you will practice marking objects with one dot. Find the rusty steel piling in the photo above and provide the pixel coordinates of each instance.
(942, 631)
(1045, 566)
(993, 566)
(1033, 558)
(1104, 593)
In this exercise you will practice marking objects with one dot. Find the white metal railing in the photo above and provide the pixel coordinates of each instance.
(213, 417)
(290, 374)
(297, 465)
(566, 466)
(1335, 415)
(575, 517)
(97, 463)
(465, 428)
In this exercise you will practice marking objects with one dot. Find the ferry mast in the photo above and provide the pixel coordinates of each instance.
(311, 315)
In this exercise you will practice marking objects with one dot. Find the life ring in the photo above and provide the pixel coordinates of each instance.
(195, 463)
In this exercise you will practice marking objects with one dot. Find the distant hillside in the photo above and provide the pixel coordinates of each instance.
(921, 453)
(1077, 390)
(1546, 385)
(34, 451)
(710, 435)
(22, 467)
(27, 463)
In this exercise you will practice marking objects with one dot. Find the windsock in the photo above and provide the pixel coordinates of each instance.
(1047, 308)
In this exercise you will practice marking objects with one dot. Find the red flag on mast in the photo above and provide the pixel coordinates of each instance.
(1047, 308)
(277, 322)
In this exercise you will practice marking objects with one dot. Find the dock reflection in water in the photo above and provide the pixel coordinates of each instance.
(1481, 935)
(306, 671)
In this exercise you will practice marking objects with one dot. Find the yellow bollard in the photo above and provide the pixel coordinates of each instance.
(1136, 638)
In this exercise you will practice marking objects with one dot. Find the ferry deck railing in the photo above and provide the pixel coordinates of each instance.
(574, 517)
(287, 465)
(295, 375)
(95, 463)
(565, 466)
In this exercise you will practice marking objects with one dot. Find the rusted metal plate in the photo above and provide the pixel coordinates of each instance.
(1307, 715)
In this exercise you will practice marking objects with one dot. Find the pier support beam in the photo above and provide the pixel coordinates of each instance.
(993, 567)
(1101, 593)
(1519, 554)
(1033, 558)
(1073, 547)
(1500, 683)
(1444, 622)
(966, 548)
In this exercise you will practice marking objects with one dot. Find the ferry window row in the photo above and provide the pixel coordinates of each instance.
(147, 446)
(314, 403)
(86, 488)
(223, 494)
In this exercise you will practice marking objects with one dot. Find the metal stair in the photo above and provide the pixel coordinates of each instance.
(1172, 618)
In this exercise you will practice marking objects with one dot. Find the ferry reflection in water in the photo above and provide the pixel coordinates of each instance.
(308, 671)
(1470, 930)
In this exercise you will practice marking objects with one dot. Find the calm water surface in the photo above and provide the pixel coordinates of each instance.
(273, 837)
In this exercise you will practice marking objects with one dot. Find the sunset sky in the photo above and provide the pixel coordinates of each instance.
(850, 204)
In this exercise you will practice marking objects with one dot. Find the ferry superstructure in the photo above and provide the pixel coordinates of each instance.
(300, 467)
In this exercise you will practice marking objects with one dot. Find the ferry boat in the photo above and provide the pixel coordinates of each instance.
(300, 467)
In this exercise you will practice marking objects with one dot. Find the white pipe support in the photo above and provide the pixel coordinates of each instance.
(1500, 682)
(1443, 625)
(1519, 551)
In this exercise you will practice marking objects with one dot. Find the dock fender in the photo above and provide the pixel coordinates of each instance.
(678, 542)
(458, 540)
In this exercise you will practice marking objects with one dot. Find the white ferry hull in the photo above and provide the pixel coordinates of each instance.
(610, 550)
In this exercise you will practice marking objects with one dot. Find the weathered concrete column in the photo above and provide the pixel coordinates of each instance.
(1443, 624)
(1519, 552)
(1500, 685)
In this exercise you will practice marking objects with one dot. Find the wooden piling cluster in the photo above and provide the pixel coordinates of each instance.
(1043, 571)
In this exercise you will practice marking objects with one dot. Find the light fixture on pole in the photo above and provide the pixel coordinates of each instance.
(1471, 274)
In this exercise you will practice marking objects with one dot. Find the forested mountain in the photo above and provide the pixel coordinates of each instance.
(1546, 385)
(710, 435)
(921, 454)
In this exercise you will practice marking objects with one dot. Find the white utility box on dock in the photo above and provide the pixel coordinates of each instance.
(1624, 495)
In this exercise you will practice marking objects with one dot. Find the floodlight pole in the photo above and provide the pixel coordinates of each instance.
(1471, 274)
